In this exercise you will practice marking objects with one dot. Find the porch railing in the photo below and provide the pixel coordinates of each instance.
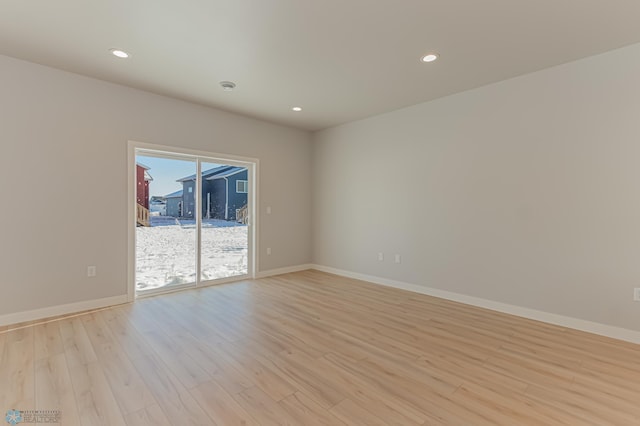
(142, 215)
(242, 215)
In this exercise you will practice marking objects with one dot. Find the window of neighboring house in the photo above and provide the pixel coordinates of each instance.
(242, 186)
(191, 189)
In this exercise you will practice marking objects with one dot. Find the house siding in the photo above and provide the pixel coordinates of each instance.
(218, 198)
(188, 200)
(142, 187)
(173, 206)
(236, 200)
(216, 209)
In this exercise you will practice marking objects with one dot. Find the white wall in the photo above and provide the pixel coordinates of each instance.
(63, 168)
(525, 192)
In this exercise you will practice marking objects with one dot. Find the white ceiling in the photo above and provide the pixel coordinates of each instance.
(340, 60)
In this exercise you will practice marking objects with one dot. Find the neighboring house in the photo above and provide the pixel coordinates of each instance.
(227, 193)
(158, 205)
(142, 194)
(142, 184)
(224, 190)
(174, 203)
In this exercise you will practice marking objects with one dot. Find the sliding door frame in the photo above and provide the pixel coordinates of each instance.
(252, 164)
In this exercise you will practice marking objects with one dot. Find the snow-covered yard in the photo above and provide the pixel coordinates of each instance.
(165, 252)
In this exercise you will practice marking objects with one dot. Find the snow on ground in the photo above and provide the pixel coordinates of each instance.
(165, 251)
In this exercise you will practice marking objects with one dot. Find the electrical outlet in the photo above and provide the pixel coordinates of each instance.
(268, 209)
(91, 271)
(397, 260)
(636, 294)
(268, 251)
(381, 257)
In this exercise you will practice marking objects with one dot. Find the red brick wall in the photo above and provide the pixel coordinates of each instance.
(142, 187)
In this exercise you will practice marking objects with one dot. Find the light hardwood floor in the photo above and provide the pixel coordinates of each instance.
(315, 349)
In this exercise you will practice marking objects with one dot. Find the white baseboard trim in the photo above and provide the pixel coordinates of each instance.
(285, 270)
(54, 311)
(561, 320)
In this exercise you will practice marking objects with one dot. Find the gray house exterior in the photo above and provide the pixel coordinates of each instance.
(224, 189)
(174, 203)
(227, 193)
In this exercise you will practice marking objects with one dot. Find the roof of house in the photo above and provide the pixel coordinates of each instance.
(206, 173)
(147, 176)
(176, 194)
(226, 173)
(215, 173)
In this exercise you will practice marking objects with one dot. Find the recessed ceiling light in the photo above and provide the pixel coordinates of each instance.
(430, 57)
(227, 86)
(297, 109)
(119, 53)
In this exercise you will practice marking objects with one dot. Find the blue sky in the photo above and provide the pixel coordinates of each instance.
(165, 171)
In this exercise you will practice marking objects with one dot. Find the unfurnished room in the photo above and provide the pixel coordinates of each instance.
(302, 213)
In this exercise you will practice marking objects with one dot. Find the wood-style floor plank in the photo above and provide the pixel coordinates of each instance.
(48, 341)
(94, 398)
(311, 348)
(176, 402)
(150, 416)
(265, 410)
(129, 389)
(54, 390)
(220, 405)
(305, 411)
(17, 370)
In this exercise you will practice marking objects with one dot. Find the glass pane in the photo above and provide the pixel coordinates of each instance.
(166, 231)
(224, 217)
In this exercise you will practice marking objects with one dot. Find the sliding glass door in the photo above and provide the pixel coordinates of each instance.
(224, 236)
(165, 233)
(192, 220)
